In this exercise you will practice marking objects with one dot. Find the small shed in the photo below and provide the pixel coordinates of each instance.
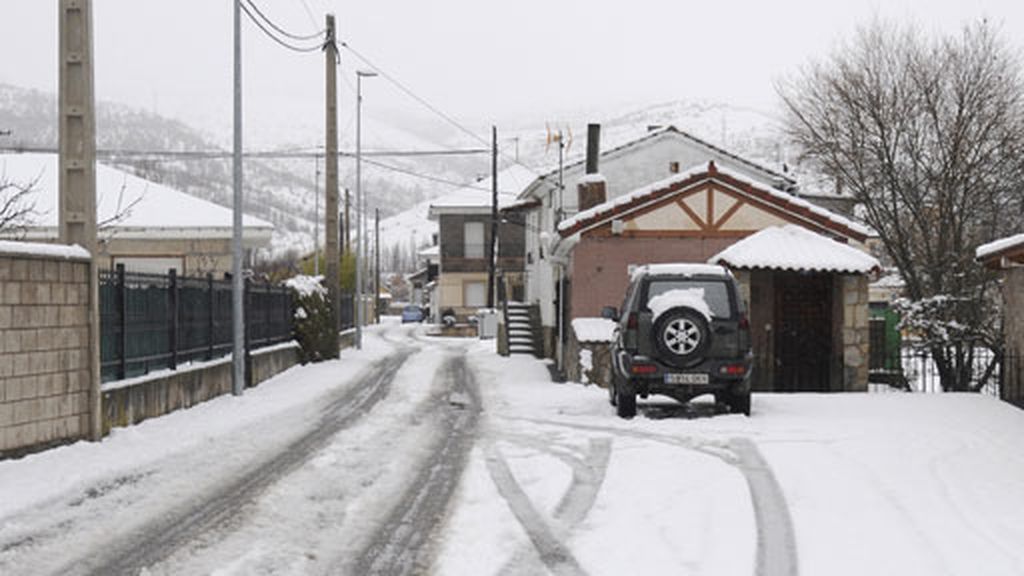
(808, 302)
(1007, 256)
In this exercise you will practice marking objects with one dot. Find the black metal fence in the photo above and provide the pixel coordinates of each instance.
(152, 321)
(915, 370)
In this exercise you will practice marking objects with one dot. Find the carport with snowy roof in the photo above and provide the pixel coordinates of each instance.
(808, 300)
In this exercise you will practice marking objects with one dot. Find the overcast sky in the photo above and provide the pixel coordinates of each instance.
(480, 61)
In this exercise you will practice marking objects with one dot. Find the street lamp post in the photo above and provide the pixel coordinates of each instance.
(360, 235)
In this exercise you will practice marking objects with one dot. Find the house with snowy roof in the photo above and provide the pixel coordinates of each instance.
(1007, 256)
(147, 226)
(464, 239)
(802, 268)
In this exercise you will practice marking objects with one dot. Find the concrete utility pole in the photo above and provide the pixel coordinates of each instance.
(361, 239)
(491, 256)
(331, 185)
(376, 263)
(77, 167)
(237, 286)
(316, 216)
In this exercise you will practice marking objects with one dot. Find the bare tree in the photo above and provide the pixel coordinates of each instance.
(17, 207)
(927, 135)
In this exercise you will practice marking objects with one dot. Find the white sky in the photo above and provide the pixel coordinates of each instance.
(480, 61)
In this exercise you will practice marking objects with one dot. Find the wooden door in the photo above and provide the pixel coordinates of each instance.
(803, 334)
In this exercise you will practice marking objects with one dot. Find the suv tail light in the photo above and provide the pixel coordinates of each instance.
(744, 322)
(643, 369)
(733, 370)
(631, 321)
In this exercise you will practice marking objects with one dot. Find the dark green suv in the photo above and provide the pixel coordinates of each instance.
(682, 332)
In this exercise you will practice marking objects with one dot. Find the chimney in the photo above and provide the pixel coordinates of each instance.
(591, 188)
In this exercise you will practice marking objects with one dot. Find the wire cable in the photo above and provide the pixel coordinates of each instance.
(271, 35)
(281, 30)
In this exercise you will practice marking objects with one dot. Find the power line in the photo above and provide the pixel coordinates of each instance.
(273, 37)
(412, 94)
(220, 154)
(299, 37)
(312, 19)
(428, 105)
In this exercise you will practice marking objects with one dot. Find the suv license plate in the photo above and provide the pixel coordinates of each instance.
(686, 378)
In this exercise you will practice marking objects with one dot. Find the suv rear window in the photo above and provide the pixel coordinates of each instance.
(716, 293)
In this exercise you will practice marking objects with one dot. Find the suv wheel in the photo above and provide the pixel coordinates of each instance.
(682, 336)
(740, 402)
(625, 403)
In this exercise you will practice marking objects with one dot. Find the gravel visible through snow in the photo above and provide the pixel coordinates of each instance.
(405, 542)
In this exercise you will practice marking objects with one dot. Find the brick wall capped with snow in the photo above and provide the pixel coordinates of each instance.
(44, 346)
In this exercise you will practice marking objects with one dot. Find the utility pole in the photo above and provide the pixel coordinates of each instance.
(77, 167)
(316, 216)
(331, 186)
(237, 292)
(361, 239)
(491, 256)
(348, 224)
(376, 263)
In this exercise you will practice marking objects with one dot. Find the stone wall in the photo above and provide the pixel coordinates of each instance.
(1013, 328)
(856, 333)
(45, 377)
(600, 370)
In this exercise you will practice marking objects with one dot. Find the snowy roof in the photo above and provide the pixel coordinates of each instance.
(795, 248)
(594, 329)
(434, 250)
(476, 196)
(1001, 247)
(673, 131)
(697, 175)
(679, 270)
(14, 248)
(159, 207)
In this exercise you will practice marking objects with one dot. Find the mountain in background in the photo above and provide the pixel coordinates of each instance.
(281, 190)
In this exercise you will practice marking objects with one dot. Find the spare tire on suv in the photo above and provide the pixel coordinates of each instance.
(682, 336)
(682, 332)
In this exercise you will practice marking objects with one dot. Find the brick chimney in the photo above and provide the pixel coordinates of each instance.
(591, 188)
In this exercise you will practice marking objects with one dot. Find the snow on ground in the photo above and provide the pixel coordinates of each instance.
(898, 484)
(875, 483)
(33, 479)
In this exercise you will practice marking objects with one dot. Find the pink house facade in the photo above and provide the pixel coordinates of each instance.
(808, 310)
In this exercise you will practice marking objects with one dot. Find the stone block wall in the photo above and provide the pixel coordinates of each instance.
(45, 379)
(1013, 329)
(856, 333)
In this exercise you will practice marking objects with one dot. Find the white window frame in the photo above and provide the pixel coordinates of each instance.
(470, 248)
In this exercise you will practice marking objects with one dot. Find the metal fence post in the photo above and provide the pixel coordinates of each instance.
(210, 324)
(172, 295)
(122, 320)
(247, 330)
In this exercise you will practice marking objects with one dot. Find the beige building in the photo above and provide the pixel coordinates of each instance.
(146, 226)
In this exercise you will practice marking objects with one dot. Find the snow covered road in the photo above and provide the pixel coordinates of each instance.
(420, 455)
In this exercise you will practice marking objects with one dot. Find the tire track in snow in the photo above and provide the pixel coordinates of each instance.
(588, 474)
(553, 552)
(161, 538)
(404, 544)
(776, 540)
